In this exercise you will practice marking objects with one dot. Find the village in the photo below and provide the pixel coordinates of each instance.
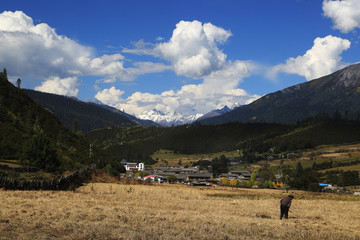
(181, 174)
(194, 176)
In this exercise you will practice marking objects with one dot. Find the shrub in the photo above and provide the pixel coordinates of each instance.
(171, 179)
(141, 174)
(267, 184)
(39, 152)
(111, 171)
(246, 183)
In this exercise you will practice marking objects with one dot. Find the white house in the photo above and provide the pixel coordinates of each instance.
(129, 166)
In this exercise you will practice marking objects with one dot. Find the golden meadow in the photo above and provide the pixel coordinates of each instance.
(174, 211)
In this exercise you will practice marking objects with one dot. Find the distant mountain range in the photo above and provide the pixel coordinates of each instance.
(168, 119)
(175, 119)
(338, 93)
(84, 116)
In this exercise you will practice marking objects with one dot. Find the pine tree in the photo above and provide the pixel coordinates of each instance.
(299, 169)
(4, 73)
(18, 82)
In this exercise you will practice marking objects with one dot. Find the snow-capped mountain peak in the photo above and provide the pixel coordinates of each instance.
(168, 119)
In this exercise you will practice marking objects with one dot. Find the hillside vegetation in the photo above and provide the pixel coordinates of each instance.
(138, 143)
(83, 116)
(35, 136)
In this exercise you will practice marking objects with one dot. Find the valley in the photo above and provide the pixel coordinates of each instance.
(299, 155)
(180, 120)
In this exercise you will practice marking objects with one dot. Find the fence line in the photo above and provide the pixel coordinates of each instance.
(67, 182)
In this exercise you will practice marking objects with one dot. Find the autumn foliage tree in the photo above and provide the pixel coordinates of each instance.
(234, 182)
(225, 181)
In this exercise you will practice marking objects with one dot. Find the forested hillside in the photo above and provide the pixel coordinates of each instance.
(29, 132)
(83, 116)
(138, 143)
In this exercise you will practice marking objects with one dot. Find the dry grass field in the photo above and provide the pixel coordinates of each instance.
(164, 211)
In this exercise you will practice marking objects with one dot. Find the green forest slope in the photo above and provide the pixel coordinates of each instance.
(21, 119)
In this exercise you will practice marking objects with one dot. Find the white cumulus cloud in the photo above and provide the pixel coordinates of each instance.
(66, 86)
(345, 14)
(217, 90)
(189, 100)
(322, 59)
(193, 50)
(37, 51)
(111, 96)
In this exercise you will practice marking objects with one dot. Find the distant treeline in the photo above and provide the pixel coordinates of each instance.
(138, 143)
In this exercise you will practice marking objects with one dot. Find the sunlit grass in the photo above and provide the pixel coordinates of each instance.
(114, 211)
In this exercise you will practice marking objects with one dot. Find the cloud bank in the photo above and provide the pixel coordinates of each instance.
(186, 100)
(345, 14)
(322, 59)
(37, 51)
(192, 51)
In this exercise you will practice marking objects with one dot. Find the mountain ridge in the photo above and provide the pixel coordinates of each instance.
(218, 112)
(336, 92)
(78, 115)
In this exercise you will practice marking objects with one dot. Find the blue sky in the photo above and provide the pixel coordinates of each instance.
(185, 56)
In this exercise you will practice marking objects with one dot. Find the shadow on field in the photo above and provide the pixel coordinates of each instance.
(262, 216)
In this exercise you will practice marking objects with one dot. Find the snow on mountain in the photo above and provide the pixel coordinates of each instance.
(168, 119)
(235, 105)
(174, 118)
